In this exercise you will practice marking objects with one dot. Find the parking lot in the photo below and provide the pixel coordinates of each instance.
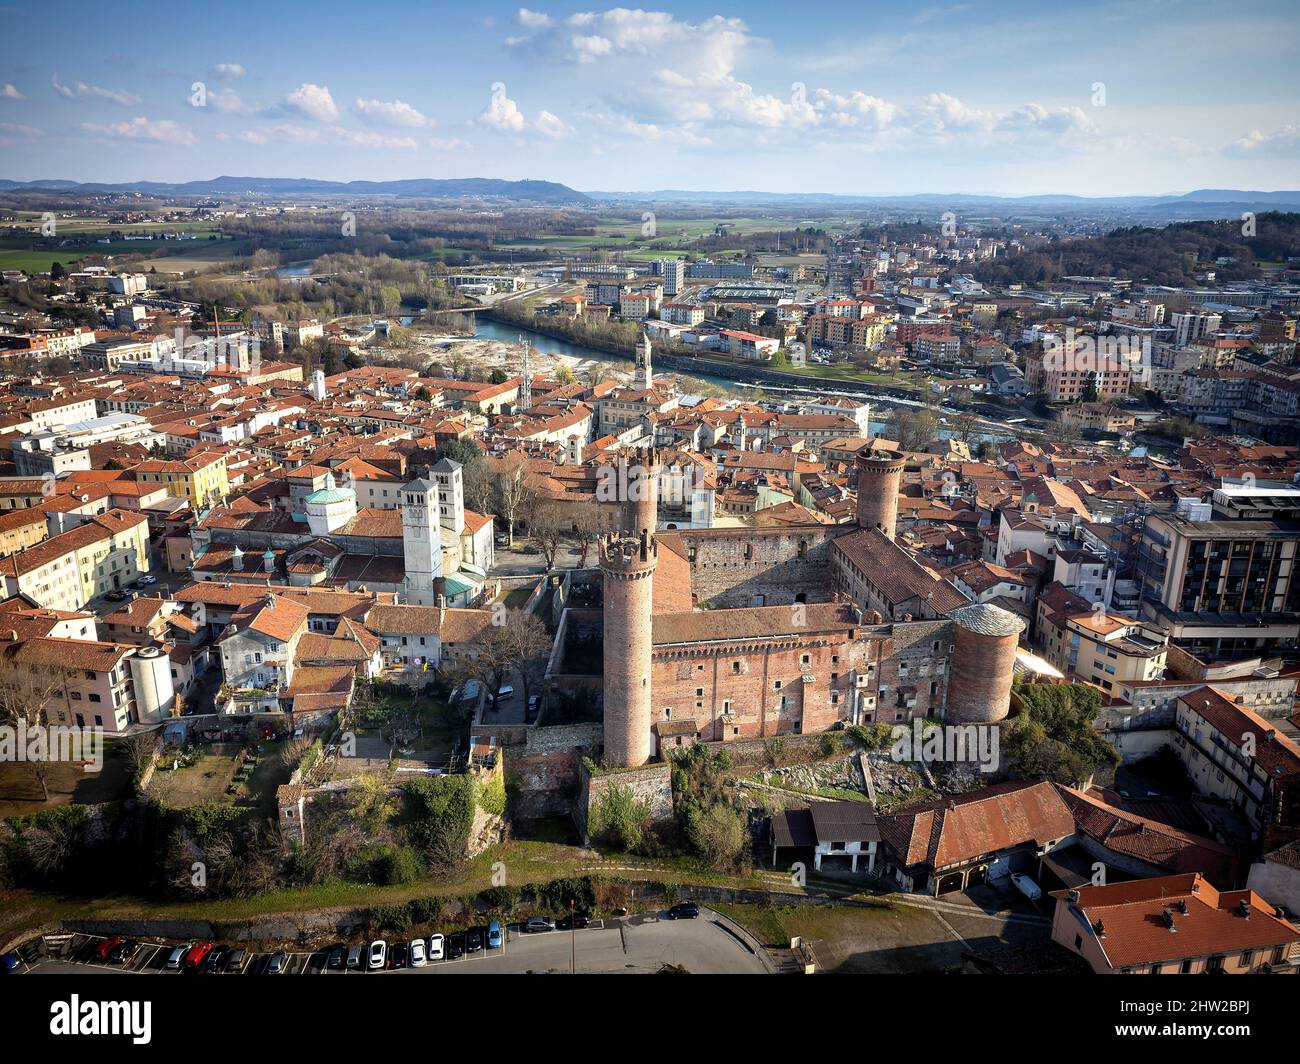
(639, 943)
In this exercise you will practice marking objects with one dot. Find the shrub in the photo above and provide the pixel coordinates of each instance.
(618, 819)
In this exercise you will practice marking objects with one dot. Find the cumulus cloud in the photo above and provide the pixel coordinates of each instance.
(391, 113)
(710, 47)
(228, 102)
(313, 101)
(679, 80)
(80, 90)
(229, 71)
(9, 92)
(1283, 143)
(503, 115)
(158, 131)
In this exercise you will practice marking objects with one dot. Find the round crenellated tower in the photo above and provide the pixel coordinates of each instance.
(879, 475)
(985, 638)
(628, 565)
(639, 478)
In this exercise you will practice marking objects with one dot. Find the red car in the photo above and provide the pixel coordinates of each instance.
(106, 947)
(196, 956)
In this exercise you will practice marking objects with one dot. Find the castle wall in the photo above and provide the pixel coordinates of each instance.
(753, 689)
(913, 673)
(737, 567)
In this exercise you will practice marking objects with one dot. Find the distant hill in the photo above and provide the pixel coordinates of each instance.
(435, 188)
(1171, 255)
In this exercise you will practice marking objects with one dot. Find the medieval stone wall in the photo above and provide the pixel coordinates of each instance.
(736, 567)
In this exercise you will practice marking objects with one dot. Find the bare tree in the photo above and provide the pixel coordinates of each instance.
(587, 526)
(548, 528)
(139, 748)
(514, 493)
(26, 691)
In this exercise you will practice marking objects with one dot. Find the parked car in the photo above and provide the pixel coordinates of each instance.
(1026, 886)
(197, 954)
(378, 955)
(504, 695)
(455, 946)
(400, 955)
(473, 940)
(148, 581)
(107, 946)
(10, 963)
(436, 943)
(686, 910)
(494, 935)
(116, 595)
(354, 956)
(534, 707)
(235, 960)
(215, 961)
(418, 956)
(577, 920)
(336, 957)
(277, 964)
(535, 924)
(176, 957)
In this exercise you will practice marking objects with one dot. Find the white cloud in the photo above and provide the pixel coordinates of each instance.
(9, 92)
(391, 113)
(228, 102)
(229, 71)
(710, 47)
(1282, 143)
(313, 101)
(79, 90)
(16, 129)
(447, 143)
(159, 131)
(503, 115)
(533, 20)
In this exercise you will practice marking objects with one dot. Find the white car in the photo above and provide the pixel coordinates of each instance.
(147, 580)
(378, 954)
(418, 958)
(176, 957)
(436, 952)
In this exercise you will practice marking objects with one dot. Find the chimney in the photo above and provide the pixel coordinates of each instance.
(1243, 908)
(1099, 929)
(270, 601)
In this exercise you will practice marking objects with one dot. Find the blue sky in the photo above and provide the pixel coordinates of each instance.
(866, 97)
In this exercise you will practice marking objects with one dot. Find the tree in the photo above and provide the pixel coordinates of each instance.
(718, 836)
(565, 375)
(587, 525)
(26, 692)
(139, 749)
(514, 493)
(915, 427)
(372, 803)
(548, 528)
(517, 643)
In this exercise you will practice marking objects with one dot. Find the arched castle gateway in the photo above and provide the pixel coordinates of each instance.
(742, 633)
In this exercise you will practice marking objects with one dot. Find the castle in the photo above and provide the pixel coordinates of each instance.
(725, 634)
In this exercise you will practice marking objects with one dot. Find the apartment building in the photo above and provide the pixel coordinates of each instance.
(66, 571)
(202, 480)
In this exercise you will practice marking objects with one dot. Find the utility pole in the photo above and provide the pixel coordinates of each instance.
(573, 938)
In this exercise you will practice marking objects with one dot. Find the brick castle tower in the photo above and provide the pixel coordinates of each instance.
(628, 565)
(639, 481)
(985, 638)
(879, 474)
